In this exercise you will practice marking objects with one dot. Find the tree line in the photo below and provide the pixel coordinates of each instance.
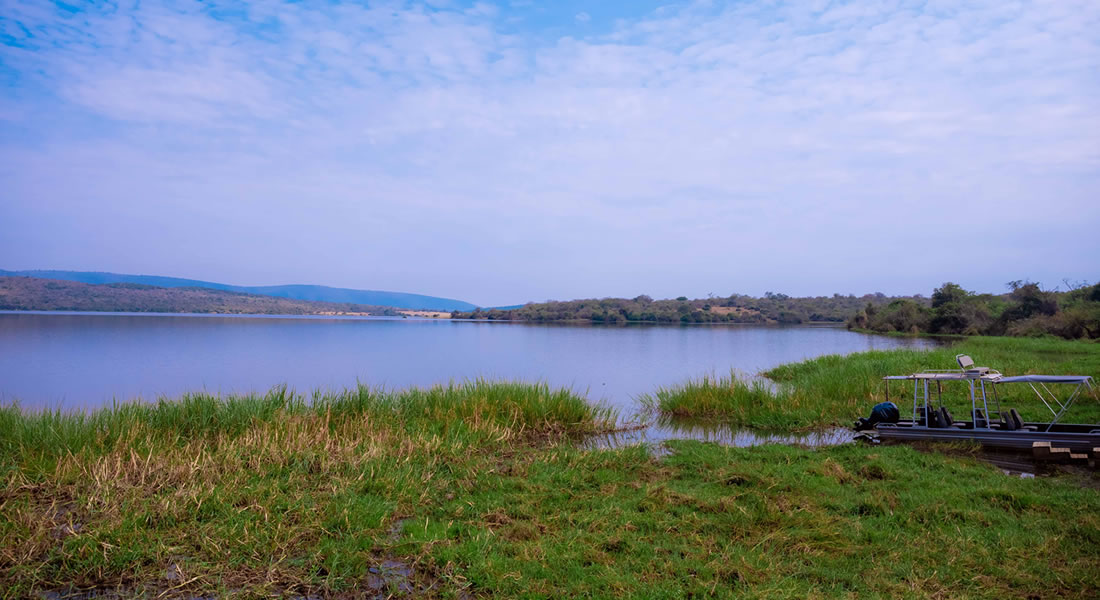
(737, 308)
(1026, 310)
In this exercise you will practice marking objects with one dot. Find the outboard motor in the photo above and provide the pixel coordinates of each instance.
(884, 412)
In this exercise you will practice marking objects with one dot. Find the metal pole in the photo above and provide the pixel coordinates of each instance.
(985, 406)
(915, 404)
(973, 401)
(997, 400)
(926, 419)
(1069, 403)
(1052, 395)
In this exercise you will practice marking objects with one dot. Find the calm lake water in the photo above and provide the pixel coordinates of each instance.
(83, 361)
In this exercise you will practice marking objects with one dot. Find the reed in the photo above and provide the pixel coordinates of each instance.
(732, 395)
(472, 408)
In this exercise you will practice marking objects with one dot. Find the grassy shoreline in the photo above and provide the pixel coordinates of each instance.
(833, 390)
(477, 490)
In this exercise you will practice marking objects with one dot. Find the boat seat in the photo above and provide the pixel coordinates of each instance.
(979, 418)
(967, 365)
(1012, 421)
(1016, 419)
(946, 419)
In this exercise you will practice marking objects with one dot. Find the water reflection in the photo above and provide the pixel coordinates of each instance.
(664, 429)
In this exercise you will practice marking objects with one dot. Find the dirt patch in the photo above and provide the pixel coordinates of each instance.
(426, 314)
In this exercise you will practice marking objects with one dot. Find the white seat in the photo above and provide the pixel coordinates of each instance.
(967, 364)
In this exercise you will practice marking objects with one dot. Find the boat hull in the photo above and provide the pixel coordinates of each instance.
(1081, 439)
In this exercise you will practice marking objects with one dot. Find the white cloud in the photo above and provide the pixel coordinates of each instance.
(701, 138)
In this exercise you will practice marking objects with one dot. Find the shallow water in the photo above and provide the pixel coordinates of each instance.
(84, 361)
(739, 437)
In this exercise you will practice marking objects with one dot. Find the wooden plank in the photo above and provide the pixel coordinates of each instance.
(1052, 454)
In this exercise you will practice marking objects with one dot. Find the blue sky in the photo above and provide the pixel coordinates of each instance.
(521, 151)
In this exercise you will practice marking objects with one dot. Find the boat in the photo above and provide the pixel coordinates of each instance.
(987, 423)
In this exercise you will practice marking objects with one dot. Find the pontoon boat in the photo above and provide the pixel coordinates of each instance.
(989, 423)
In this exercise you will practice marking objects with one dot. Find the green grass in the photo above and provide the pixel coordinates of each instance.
(251, 493)
(296, 511)
(767, 522)
(471, 410)
(478, 490)
(834, 390)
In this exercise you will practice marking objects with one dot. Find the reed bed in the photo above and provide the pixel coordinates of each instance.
(470, 408)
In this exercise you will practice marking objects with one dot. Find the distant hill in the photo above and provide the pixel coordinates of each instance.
(318, 293)
(32, 293)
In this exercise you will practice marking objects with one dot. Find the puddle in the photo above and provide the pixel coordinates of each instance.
(663, 430)
(390, 576)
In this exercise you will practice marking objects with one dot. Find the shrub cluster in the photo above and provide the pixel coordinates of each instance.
(1027, 310)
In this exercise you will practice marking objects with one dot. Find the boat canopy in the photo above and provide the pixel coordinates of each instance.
(1046, 379)
(977, 377)
(993, 377)
(950, 376)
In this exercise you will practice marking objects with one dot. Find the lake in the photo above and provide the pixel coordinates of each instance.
(80, 361)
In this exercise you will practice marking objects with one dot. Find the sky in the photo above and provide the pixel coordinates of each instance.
(525, 151)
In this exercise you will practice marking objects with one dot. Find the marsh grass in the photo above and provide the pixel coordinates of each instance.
(734, 396)
(513, 408)
(255, 493)
(834, 390)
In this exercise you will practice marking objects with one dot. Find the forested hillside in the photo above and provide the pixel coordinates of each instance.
(31, 293)
(313, 293)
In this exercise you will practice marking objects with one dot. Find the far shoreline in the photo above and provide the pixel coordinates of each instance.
(366, 317)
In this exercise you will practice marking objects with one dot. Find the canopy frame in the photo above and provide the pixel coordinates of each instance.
(976, 380)
(1043, 392)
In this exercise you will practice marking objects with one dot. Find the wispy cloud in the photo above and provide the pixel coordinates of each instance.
(454, 149)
